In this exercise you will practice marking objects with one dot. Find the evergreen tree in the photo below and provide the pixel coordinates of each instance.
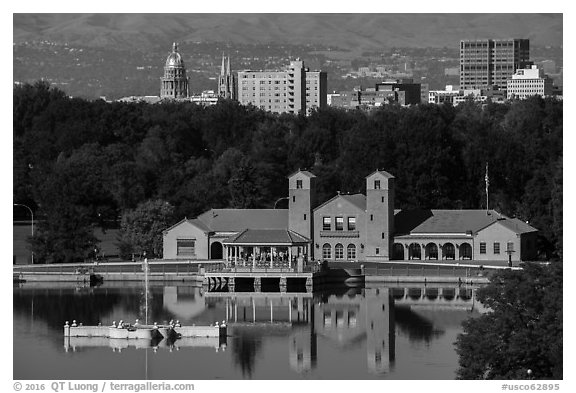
(521, 331)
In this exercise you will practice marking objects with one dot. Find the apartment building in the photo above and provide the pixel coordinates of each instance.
(294, 90)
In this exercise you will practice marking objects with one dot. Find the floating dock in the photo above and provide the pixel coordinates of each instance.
(72, 344)
(147, 332)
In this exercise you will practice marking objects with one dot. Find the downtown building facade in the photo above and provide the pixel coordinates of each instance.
(348, 228)
(294, 90)
(528, 82)
(490, 63)
(453, 96)
(402, 91)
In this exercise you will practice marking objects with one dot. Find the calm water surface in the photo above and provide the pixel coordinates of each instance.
(372, 333)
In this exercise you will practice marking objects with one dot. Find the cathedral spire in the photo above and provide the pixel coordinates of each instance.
(226, 82)
(222, 71)
(174, 47)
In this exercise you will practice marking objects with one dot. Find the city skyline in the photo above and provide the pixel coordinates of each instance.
(124, 53)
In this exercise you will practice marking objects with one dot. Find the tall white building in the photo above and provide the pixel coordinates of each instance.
(528, 82)
(293, 90)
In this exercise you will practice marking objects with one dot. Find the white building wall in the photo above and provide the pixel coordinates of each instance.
(496, 233)
(185, 230)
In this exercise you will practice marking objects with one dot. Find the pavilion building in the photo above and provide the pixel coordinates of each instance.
(358, 227)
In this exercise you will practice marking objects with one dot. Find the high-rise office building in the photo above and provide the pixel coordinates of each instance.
(293, 90)
(490, 63)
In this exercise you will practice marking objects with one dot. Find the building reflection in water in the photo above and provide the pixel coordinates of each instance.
(345, 317)
(349, 319)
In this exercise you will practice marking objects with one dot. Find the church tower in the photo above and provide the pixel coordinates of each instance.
(174, 83)
(379, 216)
(302, 197)
(226, 81)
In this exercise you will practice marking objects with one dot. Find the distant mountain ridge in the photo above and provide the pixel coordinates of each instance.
(352, 32)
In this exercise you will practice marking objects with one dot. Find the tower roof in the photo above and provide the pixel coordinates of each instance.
(384, 173)
(306, 173)
(174, 59)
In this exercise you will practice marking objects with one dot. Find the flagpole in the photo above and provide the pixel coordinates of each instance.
(487, 183)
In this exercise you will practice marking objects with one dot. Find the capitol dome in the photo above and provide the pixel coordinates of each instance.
(174, 83)
(174, 59)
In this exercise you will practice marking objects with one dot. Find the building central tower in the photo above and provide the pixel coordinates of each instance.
(174, 82)
(379, 216)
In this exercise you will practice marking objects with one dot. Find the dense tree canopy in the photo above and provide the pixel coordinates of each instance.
(521, 332)
(141, 228)
(90, 161)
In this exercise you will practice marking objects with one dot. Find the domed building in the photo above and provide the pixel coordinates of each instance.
(174, 82)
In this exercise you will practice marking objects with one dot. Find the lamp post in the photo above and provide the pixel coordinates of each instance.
(279, 199)
(32, 221)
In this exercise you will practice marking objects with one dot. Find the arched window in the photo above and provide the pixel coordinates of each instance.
(431, 251)
(326, 251)
(351, 251)
(448, 251)
(465, 251)
(339, 251)
(414, 251)
(216, 250)
(398, 251)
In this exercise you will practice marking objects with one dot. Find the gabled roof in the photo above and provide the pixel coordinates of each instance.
(384, 173)
(358, 200)
(199, 224)
(443, 221)
(516, 225)
(234, 220)
(305, 173)
(267, 236)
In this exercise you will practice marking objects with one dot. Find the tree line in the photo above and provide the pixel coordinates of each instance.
(81, 163)
(521, 336)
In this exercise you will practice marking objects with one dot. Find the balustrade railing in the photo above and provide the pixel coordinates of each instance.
(260, 268)
(425, 271)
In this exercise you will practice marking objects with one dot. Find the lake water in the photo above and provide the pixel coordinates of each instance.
(383, 332)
